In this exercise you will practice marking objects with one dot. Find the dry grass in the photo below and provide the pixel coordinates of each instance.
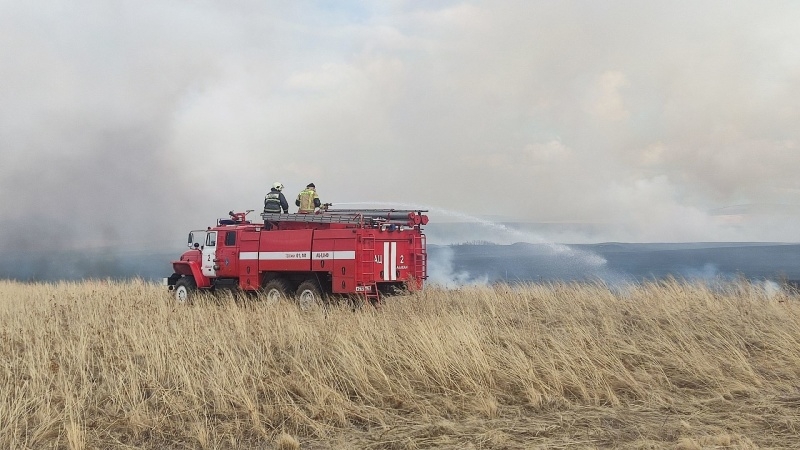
(117, 365)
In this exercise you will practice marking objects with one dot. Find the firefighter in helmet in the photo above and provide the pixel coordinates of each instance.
(275, 201)
(308, 200)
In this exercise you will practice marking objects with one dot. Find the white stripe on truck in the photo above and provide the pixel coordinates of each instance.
(385, 260)
(284, 256)
(390, 261)
(393, 267)
(339, 254)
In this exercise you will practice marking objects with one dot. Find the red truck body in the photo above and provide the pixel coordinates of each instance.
(364, 252)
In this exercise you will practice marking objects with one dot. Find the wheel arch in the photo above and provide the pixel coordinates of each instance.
(192, 269)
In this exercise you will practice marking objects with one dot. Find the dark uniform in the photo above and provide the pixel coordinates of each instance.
(275, 201)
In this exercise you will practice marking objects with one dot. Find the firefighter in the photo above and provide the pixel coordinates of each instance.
(308, 200)
(275, 200)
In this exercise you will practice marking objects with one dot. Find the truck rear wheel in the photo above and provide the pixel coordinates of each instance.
(309, 295)
(185, 289)
(276, 290)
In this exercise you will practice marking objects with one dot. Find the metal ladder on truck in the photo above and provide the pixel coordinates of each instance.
(420, 258)
(366, 269)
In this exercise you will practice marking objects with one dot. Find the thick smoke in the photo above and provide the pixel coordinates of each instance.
(124, 124)
(87, 167)
(79, 207)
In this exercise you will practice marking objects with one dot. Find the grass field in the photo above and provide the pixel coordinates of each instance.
(97, 365)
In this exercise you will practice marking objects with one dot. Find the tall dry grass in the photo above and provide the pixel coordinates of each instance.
(670, 365)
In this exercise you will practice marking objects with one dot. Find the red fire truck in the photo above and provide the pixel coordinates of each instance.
(368, 252)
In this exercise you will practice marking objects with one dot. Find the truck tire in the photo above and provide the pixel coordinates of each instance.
(276, 290)
(309, 295)
(184, 291)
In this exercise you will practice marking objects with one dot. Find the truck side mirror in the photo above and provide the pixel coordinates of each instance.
(191, 239)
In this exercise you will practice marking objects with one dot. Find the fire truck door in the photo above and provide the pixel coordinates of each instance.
(392, 259)
(210, 254)
(344, 266)
(227, 254)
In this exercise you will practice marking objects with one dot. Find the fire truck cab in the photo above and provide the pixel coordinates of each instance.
(368, 252)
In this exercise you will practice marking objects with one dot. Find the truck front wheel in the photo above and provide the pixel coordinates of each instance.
(309, 295)
(184, 291)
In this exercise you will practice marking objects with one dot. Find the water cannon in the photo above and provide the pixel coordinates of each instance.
(235, 218)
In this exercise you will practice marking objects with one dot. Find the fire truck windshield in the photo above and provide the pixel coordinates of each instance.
(197, 238)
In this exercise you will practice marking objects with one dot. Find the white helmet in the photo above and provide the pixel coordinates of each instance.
(277, 186)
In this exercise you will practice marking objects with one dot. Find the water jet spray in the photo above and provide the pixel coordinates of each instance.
(580, 263)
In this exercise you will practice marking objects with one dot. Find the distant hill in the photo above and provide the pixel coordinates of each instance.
(636, 262)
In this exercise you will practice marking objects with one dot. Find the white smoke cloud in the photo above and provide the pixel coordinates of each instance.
(638, 121)
(442, 271)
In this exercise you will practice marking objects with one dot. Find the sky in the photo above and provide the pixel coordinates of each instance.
(131, 122)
